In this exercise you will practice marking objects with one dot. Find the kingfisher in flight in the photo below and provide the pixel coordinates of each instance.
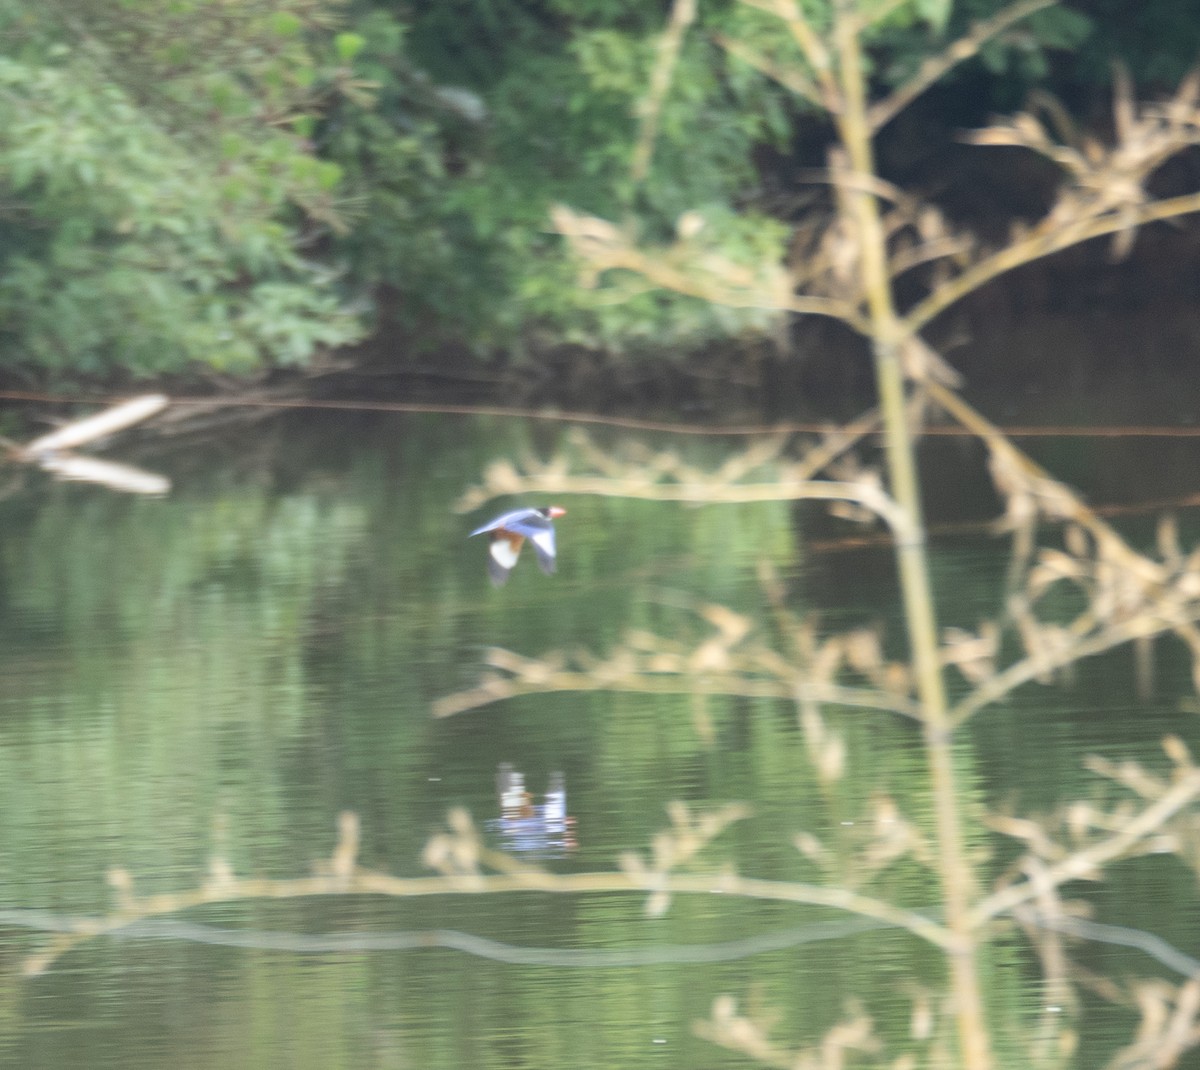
(510, 530)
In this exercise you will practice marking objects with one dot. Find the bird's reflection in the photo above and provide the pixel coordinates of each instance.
(529, 828)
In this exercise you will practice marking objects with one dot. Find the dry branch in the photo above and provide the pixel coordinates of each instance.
(689, 269)
(683, 14)
(664, 477)
(853, 1036)
(1087, 863)
(1037, 245)
(936, 67)
(729, 662)
(341, 874)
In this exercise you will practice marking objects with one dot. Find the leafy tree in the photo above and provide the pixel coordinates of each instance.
(520, 106)
(162, 196)
(246, 185)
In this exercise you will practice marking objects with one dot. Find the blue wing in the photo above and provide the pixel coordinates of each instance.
(513, 522)
(525, 524)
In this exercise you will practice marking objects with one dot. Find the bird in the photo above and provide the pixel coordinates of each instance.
(509, 530)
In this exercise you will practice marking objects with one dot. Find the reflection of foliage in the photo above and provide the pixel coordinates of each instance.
(865, 846)
(172, 632)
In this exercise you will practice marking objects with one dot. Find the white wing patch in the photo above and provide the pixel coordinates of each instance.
(505, 553)
(544, 541)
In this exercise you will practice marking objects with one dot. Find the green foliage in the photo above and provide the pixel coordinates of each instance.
(210, 182)
(1159, 42)
(456, 199)
(1025, 57)
(158, 196)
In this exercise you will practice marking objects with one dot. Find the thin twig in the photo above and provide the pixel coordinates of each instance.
(791, 78)
(933, 69)
(683, 14)
(498, 689)
(811, 45)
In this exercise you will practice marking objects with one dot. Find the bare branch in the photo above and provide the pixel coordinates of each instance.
(1035, 666)
(109, 422)
(693, 271)
(1036, 245)
(341, 875)
(1085, 864)
(683, 14)
(933, 69)
(791, 78)
(665, 478)
(649, 664)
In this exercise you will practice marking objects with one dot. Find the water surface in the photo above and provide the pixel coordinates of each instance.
(224, 670)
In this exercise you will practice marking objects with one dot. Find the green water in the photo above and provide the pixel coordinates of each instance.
(226, 669)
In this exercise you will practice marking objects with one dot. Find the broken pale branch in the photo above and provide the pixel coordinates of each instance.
(108, 422)
(52, 451)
